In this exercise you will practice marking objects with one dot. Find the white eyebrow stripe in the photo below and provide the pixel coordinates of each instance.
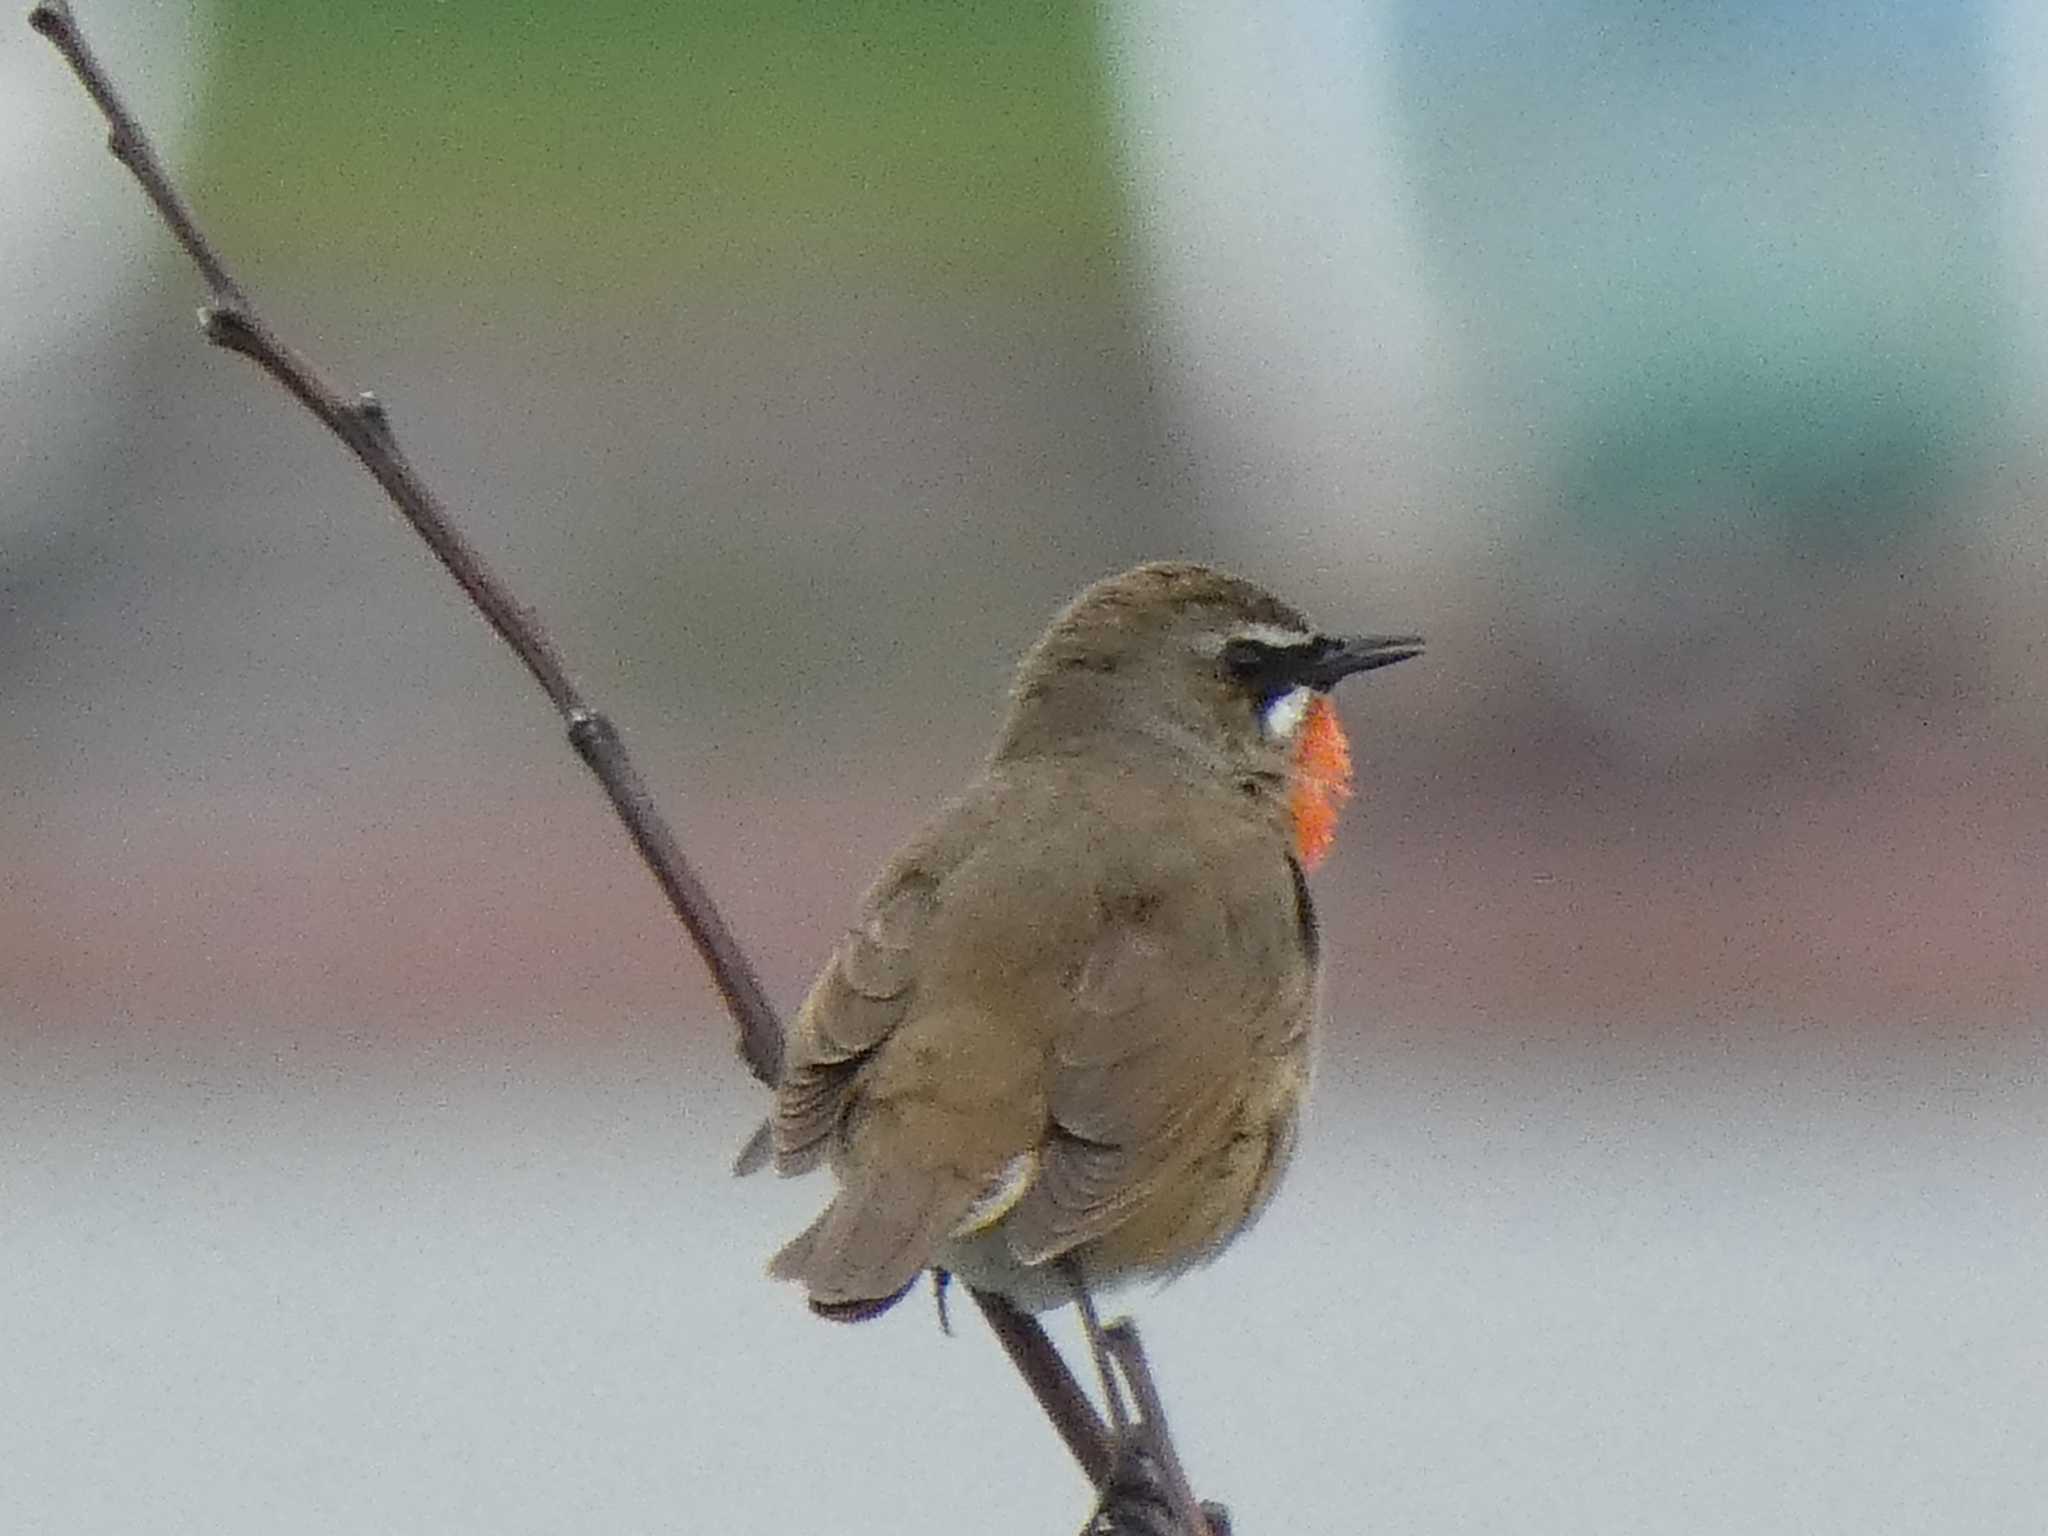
(1274, 635)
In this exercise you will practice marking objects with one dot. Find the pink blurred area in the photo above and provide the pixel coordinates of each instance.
(1900, 898)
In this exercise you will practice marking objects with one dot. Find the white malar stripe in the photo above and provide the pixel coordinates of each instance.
(1285, 714)
(1004, 1191)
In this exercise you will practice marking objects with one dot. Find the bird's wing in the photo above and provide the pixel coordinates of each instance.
(1059, 988)
(1200, 982)
(863, 993)
(904, 1067)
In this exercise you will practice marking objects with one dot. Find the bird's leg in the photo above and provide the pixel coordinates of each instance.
(1120, 1342)
(941, 1278)
(1098, 1346)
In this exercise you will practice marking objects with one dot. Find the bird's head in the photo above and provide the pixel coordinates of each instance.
(1189, 665)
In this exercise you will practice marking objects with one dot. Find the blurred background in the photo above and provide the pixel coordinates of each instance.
(1680, 1162)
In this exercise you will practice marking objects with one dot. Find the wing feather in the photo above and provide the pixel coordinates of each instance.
(862, 996)
(1042, 1016)
(1185, 990)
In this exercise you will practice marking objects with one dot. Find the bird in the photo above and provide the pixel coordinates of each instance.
(1067, 1042)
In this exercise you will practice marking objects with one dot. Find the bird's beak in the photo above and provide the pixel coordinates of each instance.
(1359, 653)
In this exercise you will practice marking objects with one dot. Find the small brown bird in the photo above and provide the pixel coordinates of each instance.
(1069, 1039)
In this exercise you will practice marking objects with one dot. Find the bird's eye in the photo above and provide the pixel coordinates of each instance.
(1245, 660)
(1259, 669)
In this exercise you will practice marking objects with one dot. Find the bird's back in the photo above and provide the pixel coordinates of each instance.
(1073, 1019)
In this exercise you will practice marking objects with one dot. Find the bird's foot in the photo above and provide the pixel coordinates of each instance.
(1147, 1493)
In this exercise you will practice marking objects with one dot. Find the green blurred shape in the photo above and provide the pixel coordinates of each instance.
(1825, 459)
(594, 147)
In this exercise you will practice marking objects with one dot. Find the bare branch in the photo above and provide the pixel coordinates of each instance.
(1039, 1363)
(230, 321)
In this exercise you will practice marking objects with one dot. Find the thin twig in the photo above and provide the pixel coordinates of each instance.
(1039, 1363)
(229, 320)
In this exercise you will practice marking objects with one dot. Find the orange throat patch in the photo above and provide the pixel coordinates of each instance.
(1321, 783)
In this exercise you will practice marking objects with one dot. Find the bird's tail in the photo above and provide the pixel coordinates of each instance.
(871, 1243)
